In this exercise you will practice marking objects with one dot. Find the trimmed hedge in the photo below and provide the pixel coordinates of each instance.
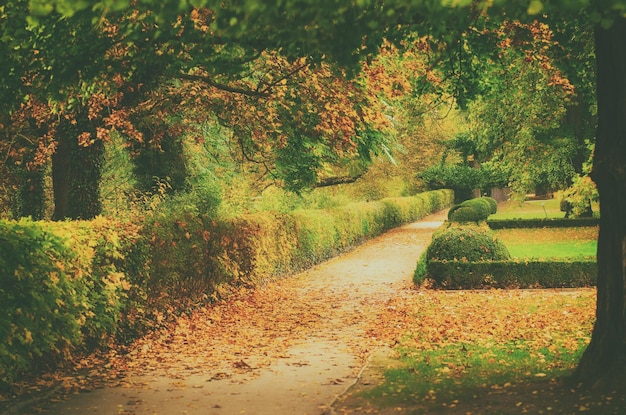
(557, 273)
(542, 223)
(197, 255)
(62, 286)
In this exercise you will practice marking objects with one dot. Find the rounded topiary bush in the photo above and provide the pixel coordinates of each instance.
(469, 243)
(480, 204)
(493, 204)
(466, 214)
(472, 210)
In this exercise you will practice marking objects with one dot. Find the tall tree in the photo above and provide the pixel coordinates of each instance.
(604, 358)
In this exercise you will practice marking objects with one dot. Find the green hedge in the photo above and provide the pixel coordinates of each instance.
(470, 243)
(193, 254)
(63, 286)
(557, 273)
(542, 223)
(473, 210)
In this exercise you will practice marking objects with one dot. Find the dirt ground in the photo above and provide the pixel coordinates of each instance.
(291, 347)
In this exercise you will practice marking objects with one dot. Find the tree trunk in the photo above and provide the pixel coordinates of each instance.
(76, 173)
(604, 360)
(60, 174)
(85, 174)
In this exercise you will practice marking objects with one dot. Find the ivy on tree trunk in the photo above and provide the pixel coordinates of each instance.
(605, 358)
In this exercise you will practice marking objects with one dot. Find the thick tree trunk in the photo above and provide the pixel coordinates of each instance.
(605, 358)
(85, 174)
(76, 174)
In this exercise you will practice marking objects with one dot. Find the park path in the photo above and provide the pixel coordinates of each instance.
(290, 347)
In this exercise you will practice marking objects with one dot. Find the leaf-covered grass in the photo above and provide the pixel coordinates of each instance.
(455, 371)
(550, 242)
(457, 343)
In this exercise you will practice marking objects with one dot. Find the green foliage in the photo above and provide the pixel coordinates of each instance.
(161, 161)
(466, 243)
(110, 258)
(65, 285)
(39, 299)
(460, 178)
(492, 203)
(118, 184)
(465, 214)
(472, 210)
(30, 200)
(577, 199)
(421, 270)
(551, 273)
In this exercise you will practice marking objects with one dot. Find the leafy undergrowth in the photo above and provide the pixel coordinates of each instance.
(476, 352)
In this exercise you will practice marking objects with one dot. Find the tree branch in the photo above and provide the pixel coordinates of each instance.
(337, 180)
(224, 87)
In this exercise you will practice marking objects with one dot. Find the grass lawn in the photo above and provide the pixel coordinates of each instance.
(529, 209)
(532, 209)
(550, 242)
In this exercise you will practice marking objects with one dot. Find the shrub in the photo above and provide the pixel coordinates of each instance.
(472, 210)
(578, 198)
(467, 243)
(465, 214)
(492, 203)
(39, 302)
(553, 273)
(421, 270)
(462, 179)
(542, 223)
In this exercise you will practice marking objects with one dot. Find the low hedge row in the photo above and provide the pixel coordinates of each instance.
(75, 284)
(557, 273)
(194, 254)
(542, 223)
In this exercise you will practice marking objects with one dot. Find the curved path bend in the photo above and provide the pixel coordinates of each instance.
(290, 347)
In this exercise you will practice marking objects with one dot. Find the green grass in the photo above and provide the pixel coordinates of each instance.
(554, 250)
(550, 242)
(462, 345)
(456, 371)
(532, 209)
